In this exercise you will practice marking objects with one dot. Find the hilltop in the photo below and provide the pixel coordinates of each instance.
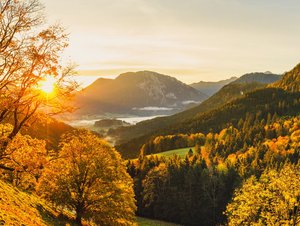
(290, 80)
(260, 77)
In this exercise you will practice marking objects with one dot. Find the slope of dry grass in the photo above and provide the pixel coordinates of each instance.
(20, 208)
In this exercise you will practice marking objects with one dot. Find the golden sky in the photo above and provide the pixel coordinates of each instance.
(192, 40)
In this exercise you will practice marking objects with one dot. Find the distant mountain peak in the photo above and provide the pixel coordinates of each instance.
(136, 90)
(145, 75)
(259, 77)
(268, 72)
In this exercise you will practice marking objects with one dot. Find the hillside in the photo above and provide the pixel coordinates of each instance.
(225, 95)
(138, 93)
(49, 130)
(290, 80)
(210, 88)
(20, 208)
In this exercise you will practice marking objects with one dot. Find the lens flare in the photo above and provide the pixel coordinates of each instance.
(47, 85)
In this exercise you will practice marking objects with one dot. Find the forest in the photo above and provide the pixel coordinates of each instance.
(215, 184)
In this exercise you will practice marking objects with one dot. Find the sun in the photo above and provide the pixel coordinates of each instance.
(47, 85)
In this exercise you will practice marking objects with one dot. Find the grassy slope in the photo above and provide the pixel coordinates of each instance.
(20, 208)
(181, 152)
(148, 222)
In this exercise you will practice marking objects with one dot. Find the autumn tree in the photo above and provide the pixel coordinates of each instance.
(274, 199)
(88, 177)
(27, 156)
(30, 54)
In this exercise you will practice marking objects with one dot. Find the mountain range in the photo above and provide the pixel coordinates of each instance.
(131, 138)
(210, 88)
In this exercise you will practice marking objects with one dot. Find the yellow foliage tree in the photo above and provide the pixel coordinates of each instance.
(25, 155)
(89, 177)
(274, 199)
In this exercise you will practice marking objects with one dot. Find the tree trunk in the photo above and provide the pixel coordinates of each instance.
(78, 216)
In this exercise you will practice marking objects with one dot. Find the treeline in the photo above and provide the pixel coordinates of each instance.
(266, 101)
(199, 187)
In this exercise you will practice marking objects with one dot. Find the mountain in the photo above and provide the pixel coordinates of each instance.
(290, 80)
(210, 88)
(140, 93)
(260, 77)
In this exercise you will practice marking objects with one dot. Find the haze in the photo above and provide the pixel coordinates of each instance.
(192, 40)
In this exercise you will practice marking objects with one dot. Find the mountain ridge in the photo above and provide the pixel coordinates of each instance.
(261, 77)
(211, 88)
(290, 80)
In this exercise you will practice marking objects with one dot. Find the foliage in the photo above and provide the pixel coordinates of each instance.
(29, 54)
(274, 199)
(88, 177)
(27, 156)
(290, 80)
(23, 160)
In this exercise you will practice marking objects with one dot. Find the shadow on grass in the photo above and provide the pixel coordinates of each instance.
(51, 219)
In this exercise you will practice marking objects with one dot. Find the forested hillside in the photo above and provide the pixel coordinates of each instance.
(290, 81)
(199, 187)
(244, 168)
(265, 101)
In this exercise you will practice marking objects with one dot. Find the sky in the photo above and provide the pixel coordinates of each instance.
(192, 40)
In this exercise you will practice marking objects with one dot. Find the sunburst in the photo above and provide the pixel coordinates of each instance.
(47, 85)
